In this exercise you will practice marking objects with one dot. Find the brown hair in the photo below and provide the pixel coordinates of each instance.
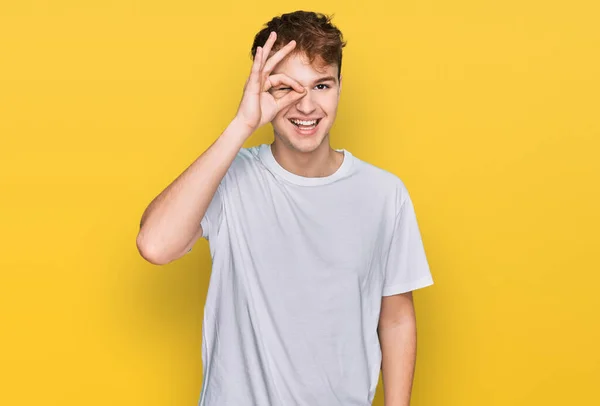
(313, 32)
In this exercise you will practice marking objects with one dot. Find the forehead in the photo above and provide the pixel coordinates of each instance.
(298, 67)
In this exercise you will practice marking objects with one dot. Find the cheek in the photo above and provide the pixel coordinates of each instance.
(330, 103)
(279, 117)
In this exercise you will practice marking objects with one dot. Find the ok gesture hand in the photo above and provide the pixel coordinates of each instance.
(258, 106)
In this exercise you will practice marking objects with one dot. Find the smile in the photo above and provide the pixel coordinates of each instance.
(305, 124)
(305, 128)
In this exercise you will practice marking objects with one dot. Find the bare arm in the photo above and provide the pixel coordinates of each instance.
(170, 225)
(398, 339)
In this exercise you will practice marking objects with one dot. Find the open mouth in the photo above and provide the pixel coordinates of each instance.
(305, 125)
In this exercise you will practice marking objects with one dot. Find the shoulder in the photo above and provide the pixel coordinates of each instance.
(244, 162)
(247, 156)
(379, 181)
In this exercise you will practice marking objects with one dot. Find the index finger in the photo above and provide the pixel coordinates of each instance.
(278, 56)
(267, 47)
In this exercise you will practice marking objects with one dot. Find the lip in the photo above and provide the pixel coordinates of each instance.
(299, 131)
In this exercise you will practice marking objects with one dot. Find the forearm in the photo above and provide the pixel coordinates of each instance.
(399, 348)
(173, 218)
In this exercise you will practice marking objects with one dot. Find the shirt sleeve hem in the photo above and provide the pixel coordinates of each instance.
(205, 224)
(407, 287)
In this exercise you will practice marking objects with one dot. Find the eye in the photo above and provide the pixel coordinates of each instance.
(323, 84)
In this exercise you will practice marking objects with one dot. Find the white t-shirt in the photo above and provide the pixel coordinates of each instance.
(300, 266)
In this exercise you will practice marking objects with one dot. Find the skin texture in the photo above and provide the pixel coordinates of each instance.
(320, 101)
(309, 156)
(398, 339)
(258, 106)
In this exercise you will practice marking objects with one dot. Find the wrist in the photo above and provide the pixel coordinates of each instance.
(241, 125)
(238, 129)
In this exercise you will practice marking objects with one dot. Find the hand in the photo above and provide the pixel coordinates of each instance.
(258, 106)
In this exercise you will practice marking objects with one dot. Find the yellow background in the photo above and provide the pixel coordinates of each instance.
(487, 110)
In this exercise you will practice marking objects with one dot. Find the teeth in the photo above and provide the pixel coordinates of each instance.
(301, 122)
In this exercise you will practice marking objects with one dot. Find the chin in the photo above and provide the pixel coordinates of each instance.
(305, 145)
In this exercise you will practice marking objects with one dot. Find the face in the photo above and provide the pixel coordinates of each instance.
(305, 124)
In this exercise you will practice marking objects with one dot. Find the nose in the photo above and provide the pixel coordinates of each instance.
(306, 104)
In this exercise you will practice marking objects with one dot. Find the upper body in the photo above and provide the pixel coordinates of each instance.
(300, 266)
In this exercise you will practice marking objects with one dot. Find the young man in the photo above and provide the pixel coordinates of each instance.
(315, 252)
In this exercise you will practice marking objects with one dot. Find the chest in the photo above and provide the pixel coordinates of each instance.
(325, 232)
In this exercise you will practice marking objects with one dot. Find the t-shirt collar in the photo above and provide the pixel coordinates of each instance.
(266, 156)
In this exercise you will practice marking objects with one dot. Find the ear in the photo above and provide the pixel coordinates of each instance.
(340, 86)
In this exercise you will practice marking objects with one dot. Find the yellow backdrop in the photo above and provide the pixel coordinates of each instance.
(487, 110)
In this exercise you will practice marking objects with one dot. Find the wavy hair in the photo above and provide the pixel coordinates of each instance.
(314, 34)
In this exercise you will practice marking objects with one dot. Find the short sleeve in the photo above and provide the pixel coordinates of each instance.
(216, 213)
(406, 267)
(212, 217)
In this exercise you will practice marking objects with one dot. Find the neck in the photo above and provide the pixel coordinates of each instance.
(321, 162)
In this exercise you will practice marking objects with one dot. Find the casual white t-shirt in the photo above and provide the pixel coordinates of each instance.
(300, 266)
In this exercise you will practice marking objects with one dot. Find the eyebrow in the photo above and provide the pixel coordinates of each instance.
(325, 79)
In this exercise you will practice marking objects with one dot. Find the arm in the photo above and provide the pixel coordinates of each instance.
(398, 338)
(170, 225)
